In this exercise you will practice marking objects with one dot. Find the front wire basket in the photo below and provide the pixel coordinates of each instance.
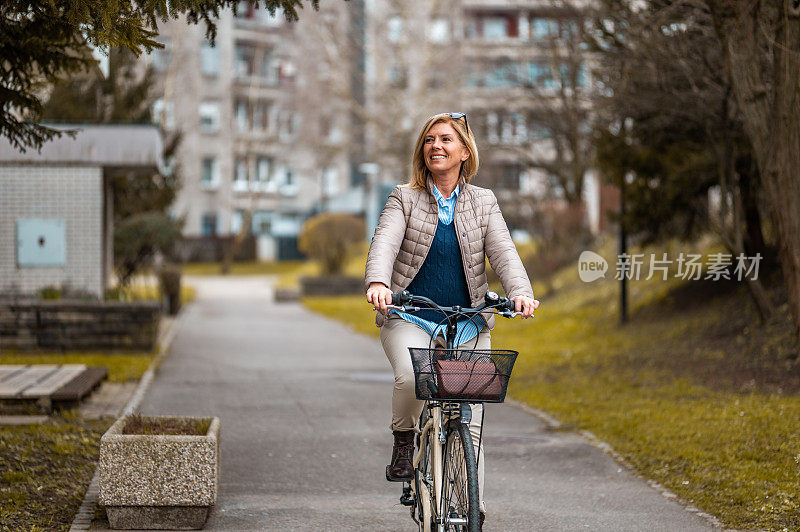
(462, 375)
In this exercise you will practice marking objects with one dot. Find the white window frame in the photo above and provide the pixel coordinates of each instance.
(213, 183)
(203, 218)
(439, 31)
(394, 29)
(486, 23)
(329, 181)
(167, 109)
(242, 118)
(264, 176)
(209, 111)
(240, 171)
(209, 59)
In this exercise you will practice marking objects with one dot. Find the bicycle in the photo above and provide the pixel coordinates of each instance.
(443, 495)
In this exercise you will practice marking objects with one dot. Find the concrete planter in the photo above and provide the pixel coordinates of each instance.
(158, 481)
(331, 285)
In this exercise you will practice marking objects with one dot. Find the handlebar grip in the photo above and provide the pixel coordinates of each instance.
(401, 298)
(507, 305)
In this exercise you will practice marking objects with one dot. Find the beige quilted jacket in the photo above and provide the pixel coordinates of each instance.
(405, 233)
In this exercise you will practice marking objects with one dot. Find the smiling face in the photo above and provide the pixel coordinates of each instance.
(443, 150)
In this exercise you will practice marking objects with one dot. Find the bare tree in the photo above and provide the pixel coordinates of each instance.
(761, 43)
(562, 93)
(663, 71)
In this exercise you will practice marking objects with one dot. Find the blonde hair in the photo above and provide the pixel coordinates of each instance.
(420, 172)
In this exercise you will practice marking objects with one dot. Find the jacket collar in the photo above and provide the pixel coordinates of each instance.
(462, 187)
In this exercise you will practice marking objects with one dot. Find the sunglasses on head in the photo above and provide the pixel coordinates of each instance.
(456, 116)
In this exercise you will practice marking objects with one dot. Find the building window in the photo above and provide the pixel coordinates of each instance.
(510, 177)
(507, 130)
(540, 75)
(242, 120)
(274, 20)
(491, 125)
(286, 70)
(269, 68)
(209, 116)
(240, 175)
(209, 59)
(161, 57)
(394, 29)
(398, 76)
(262, 222)
(164, 113)
(263, 165)
(209, 173)
(245, 10)
(236, 221)
(542, 28)
(493, 26)
(208, 224)
(260, 116)
(243, 61)
(439, 31)
(502, 75)
(330, 181)
(520, 128)
(273, 117)
(289, 125)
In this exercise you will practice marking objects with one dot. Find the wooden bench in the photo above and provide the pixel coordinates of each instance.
(47, 386)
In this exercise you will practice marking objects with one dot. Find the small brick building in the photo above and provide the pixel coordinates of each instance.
(56, 219)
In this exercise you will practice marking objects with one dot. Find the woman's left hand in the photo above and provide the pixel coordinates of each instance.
(526, 305)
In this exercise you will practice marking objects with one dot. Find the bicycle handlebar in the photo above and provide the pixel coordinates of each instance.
(492, 302)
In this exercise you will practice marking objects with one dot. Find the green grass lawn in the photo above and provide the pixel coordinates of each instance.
(692, 391)
(45, 470)
(242, 268)
(149, 292)
(121, 366)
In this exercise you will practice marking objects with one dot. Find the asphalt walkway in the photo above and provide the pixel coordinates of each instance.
(305, 409)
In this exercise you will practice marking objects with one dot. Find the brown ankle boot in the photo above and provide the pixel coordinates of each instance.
(401, 468)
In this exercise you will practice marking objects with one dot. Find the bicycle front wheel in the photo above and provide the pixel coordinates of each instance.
(423, 480)
(460, 499)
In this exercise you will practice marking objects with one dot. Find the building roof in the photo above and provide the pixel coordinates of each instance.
(106, 145)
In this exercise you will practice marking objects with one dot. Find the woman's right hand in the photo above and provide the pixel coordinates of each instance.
(380, 296)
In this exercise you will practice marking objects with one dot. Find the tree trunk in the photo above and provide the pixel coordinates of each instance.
(768, 94)
(754, 241)
(227, 260)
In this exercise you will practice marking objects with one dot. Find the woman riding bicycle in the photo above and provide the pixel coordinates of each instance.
(431, 240)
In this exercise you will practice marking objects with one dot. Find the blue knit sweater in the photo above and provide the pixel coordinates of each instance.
(441, 277)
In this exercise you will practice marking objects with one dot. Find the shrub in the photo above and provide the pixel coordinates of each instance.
(138, 238)
(330, 237)
(49, 292)
(169, 277)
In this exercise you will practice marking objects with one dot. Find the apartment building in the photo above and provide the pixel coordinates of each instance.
(282, 120)
(513, 66)
(253, 124)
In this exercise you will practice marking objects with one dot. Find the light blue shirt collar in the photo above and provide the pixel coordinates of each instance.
(446, 206)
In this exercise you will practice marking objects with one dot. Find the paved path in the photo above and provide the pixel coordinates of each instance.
(305, 406)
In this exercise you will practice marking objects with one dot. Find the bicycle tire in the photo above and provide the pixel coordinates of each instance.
(460, 491)
(423, 470)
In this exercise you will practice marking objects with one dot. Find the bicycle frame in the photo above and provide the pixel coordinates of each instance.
(441, 413)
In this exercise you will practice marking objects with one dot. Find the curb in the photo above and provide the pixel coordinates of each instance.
(83, 519)
(554, 424)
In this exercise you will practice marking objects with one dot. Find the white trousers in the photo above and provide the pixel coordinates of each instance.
(397, 335)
